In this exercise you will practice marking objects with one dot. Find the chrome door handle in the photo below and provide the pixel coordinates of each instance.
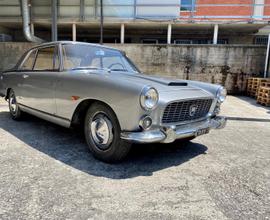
(25, 76)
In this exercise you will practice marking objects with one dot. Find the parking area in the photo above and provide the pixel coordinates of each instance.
(46, 171)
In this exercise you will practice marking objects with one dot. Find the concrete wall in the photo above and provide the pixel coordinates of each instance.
(10, 53)
(224, 64)
(227, 65)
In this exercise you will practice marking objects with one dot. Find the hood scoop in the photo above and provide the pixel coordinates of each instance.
(177, 84)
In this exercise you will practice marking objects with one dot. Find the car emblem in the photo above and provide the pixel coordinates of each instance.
(192, 110)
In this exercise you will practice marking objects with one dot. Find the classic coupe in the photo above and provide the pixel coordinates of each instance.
(100, 88)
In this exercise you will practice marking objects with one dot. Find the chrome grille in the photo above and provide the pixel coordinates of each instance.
(186, 110)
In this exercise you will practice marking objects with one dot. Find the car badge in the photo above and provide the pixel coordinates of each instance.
(192, 110)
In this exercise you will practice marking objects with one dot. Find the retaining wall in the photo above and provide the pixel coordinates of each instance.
(229, 65)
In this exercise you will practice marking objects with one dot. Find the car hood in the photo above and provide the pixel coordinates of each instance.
(163, 84)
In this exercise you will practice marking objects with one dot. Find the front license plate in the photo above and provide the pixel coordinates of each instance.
(202, 131)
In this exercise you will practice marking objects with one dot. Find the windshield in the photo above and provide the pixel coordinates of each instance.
(93, 57)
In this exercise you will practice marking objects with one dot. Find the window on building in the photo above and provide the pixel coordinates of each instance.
(149, 41)
(219, 41)
(199, 41)
(182, 41)
(187, 5)
(261, 40)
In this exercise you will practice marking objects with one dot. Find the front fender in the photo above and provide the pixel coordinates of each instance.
(122, 96)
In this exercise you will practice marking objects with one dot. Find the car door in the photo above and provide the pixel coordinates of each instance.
(14, 78)
(67, 86)
(39, 84)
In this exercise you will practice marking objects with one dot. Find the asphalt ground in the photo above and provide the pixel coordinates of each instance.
(47, 172)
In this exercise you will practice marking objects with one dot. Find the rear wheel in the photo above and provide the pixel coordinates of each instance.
(14, 108)
(102, 133)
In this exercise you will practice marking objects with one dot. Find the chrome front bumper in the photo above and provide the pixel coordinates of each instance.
(171, 133)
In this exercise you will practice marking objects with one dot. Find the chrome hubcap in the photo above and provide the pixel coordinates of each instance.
(12, 103)
(101, 131)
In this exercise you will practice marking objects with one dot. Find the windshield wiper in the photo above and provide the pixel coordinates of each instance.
(123, 70)
(97, 68)
(86, 67)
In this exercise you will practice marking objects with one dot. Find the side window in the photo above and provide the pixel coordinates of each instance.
(70, 60)
(28, 63)
(47, 59)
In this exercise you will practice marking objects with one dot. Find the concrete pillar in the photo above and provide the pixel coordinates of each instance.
(266, 65)
(54, 20)
(32, 28)
(169, 34)
(101, 22)
(122, 38)
(215, 38)
(74, 32)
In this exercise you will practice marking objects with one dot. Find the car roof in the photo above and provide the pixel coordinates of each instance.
(73, 43)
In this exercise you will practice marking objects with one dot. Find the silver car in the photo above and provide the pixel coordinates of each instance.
(98, 87)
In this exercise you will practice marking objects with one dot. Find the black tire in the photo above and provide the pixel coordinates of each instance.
(115, 149)
(14, 108)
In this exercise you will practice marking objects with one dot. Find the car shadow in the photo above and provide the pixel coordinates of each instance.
(69, 147)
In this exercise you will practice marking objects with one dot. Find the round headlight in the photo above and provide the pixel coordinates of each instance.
(221, 94)
(149, 98)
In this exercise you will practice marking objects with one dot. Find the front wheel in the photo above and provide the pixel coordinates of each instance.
(14, 108)
(102, 133)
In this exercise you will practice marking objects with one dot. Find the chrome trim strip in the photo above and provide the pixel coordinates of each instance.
(48, 117)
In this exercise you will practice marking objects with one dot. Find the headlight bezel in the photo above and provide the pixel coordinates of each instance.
(221, 94)
(143, 98)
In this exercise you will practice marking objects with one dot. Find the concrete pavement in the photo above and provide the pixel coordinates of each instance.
(47, 172)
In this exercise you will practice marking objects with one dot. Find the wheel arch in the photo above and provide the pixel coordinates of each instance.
(81, 109)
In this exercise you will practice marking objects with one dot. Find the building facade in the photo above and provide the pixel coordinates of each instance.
(142, 21)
